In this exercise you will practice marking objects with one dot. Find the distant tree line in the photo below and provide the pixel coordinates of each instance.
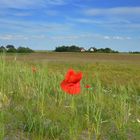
(104, 50)
(74, 48)
(136, 52)
(12, 49)
(71, 48)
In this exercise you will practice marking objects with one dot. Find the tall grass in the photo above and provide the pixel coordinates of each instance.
(32, 105)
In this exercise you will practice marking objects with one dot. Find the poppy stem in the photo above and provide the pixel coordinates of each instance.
(72, 102)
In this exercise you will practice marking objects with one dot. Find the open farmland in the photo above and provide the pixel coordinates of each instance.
(34, 107)
(78, 57)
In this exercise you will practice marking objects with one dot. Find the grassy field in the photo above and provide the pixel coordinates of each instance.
(34, 107)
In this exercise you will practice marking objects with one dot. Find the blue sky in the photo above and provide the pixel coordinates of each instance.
(46, 24)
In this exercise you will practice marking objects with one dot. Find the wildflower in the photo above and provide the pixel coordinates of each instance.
(4, 100)
(71, 83)
(138, 120)
(114, 96)
(34, 69)
(87, 86)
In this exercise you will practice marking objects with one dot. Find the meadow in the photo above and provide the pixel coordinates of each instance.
(34, 107)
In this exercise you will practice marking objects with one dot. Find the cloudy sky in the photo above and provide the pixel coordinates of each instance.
(46, 24)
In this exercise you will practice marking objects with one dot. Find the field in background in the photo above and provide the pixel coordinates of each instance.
(78, 57)
(111, 68)
(32, 105)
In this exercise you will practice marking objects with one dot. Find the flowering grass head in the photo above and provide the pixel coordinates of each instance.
(71, 83)
(34, 69)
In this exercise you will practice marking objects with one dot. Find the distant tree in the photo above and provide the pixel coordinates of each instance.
(135, 52)
(71, 48)
(115, 51)
(61, 49)
(107, 50)
(74, 48)
(95, 49)
(11, 48)
(24, 50)
(92, 49)
(101, 50)
(2, 49)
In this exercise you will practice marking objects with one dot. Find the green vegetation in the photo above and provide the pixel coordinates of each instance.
(102, 50)
(74, 48)
(12, 49)
(135, 52)
(33, 106)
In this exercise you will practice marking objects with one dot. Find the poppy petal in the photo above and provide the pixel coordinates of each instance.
(70, 88)
(71, 83)
(71, 76)
(77, 77)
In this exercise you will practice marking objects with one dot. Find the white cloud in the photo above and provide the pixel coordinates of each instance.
(20, 14)
(41, 36)
(84, 20)
(19, 4)
(22, 8)
(74, 37)
(107, 37)
(33, 27)
(118, 38)
(113, 11)
(21, 37)
(128, 38)
(89, 36)
(29, 4)
(51, 12)
(56, 2)
(38, 37)
(121, 38)
(113, 23)
(13, 37)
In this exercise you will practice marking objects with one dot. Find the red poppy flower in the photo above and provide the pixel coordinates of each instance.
(71, 83)
(34, 69)
(87, 86)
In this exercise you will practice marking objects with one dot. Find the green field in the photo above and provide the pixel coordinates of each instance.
(34, 107)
